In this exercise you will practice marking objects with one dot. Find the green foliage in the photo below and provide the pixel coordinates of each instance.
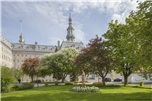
(17, 73)
(68, 83)
(98, 84)
(56, 83)
(141, 83)
(130, 43)
(7, 79)
(37, 81)
(27, 86)
(95, 58)
(16, 87)
(60, 64)
(140, 24)
(31, 67)
(23, 86)
(46, 84)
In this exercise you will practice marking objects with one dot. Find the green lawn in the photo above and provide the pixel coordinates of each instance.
(61, 93)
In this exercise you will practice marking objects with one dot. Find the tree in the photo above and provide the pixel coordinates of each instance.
(30, 67)
(123, 49)
(17, 73)
(7, 79)
(130, 43)
(60, 64)
(68, 66)
(140, 24)
(95, 56)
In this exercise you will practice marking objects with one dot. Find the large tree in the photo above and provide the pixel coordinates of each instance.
(95, 58)
(123, 49)
(31, 66)
(140, 24)
(131, 43)
(61, 63)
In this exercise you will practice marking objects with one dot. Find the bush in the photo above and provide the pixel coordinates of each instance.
(141, 83)
(56, 83)
(98, 84)
(23, 86)
(85, 89)
(27, 85)
(16, 87)
(68, 83)
(37, 81)
(46, 83)
(7, 79)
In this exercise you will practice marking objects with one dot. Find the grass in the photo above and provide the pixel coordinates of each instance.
(61, 93)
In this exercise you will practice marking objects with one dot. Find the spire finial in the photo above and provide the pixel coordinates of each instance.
(70, 19)
(21, 25)
(21, 38)
(69, 14)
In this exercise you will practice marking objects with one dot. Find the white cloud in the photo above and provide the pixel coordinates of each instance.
(56, 13)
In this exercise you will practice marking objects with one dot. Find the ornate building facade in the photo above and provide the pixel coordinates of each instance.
(14, 54)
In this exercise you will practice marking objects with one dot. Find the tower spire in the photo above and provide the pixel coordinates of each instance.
(21, 25)
(21, 38)
(70, 35)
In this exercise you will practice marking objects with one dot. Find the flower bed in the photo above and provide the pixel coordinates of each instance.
(85, 89)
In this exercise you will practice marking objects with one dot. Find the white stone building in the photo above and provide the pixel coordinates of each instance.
(5, 52)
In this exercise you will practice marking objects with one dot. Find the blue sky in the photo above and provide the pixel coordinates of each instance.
(46, 21)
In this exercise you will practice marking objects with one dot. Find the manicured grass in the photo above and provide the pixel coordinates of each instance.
(61, 93)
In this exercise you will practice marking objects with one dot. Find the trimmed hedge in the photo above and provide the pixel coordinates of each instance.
(98, 84)
(141, 83)
(68, 83)
(37, 81)
(23, 86)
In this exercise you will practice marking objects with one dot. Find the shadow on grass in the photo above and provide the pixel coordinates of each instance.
(61, 93)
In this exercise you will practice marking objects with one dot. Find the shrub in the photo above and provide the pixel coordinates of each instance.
(23, 86)
(37, 81)
(85, 89)
(68, 83)
(56, 83)
(7, 79)
(98, 84)
(16, 87)
(141, 83)
(27, 86)
(46, 83)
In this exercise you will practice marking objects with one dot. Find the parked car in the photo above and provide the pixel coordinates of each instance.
(107, 80)
(117, 80)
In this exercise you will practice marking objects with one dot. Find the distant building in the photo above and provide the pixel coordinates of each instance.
(70, 39)
(14, 54)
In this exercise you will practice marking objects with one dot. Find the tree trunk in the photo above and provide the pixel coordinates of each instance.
(32, 77)
(103, 81)
(63, 78)
(83, 78)
(125, 80)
